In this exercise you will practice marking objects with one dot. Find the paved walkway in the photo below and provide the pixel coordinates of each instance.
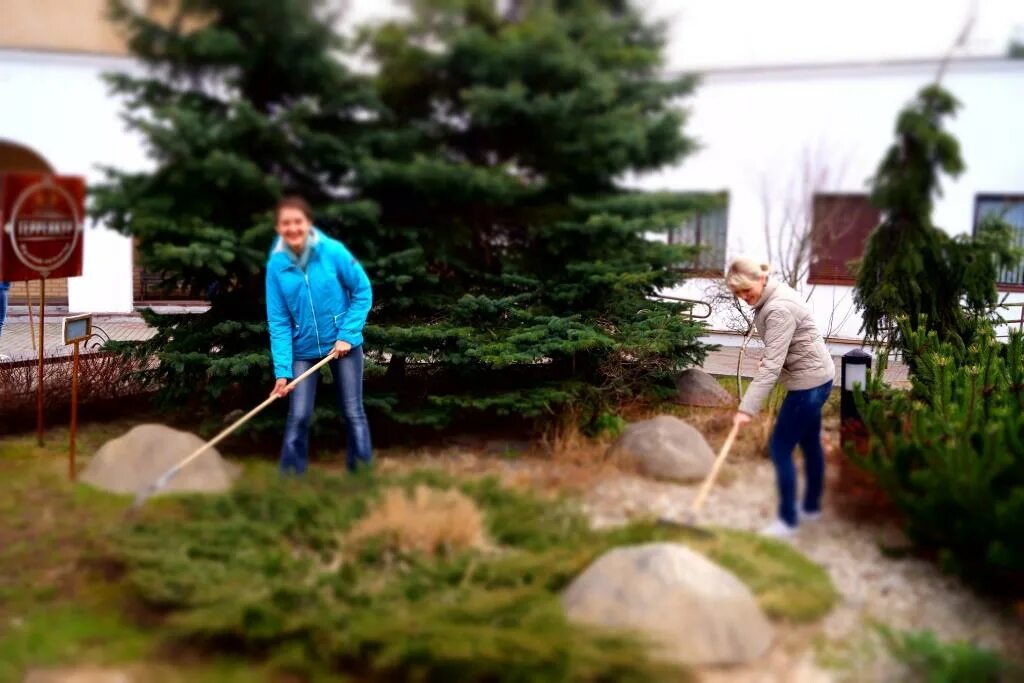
(723, 362)
(17, 339)
(16, 342)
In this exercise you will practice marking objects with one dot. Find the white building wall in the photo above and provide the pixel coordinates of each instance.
(758, 128)
(59, 106)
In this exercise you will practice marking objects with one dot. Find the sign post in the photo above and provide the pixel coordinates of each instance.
(76, 330)
(42, 218)
(31, 323)
(39, 379)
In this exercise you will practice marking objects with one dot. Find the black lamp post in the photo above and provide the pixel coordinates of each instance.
(856, 366)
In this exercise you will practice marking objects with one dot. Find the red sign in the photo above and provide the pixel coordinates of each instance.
(42, 217)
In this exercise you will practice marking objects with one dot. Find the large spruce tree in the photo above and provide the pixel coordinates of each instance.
(513, 271)
(475, 172)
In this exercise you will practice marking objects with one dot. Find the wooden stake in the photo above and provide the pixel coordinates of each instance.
(42, 345)
(31, 324)
(74, 414)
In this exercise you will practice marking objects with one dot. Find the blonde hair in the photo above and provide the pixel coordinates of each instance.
(744, 272)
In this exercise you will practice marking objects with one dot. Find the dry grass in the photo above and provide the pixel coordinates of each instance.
(565, 460)
(565, 443)
(571, 460)
(714, 424)
(429, 521)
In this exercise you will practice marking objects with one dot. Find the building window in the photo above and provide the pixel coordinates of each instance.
(707, 230)
(840, 226)
(1009, 208)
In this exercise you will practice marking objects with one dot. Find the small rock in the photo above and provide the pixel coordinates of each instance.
(665, 447)
(697, 388)
(77, 675)
(130, 463)
(805, 671)
(693, 610)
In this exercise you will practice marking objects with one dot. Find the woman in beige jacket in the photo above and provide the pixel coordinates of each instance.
(795, 353)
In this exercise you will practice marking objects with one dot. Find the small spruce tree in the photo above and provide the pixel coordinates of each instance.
(912, 269)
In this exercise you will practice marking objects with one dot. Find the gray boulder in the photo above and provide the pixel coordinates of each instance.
(664, 447)
(132, 462)
(78, 675)
(697, 388)
(690, 609)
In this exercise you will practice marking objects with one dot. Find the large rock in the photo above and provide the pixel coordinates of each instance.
(697, 388)
(664, 447)
(78, 675)
(692, 610)
(132, 462)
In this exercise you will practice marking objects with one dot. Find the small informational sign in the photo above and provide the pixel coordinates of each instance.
(77, 328)
(43, 218)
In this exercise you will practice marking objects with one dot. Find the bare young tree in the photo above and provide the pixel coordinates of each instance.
(735, 317)
(726, 308)
(789, 214)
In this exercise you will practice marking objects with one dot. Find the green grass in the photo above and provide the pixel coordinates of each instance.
(244, 586)
(786, 583)
(56, 606)
(831, 408)
(931, 661)
(70, 633)
(249, 567)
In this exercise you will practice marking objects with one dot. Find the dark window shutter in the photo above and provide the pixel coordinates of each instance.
(840, 229)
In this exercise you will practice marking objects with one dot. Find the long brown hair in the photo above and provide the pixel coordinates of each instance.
(293, 202)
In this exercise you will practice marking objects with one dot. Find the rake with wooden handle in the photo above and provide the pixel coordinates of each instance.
(690, 517)
(148, 492)
(709, 481)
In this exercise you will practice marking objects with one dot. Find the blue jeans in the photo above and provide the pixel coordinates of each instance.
(3, 308)
(799, 422)
(348, 382)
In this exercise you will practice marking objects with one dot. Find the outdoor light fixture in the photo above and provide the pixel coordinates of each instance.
(856, 365)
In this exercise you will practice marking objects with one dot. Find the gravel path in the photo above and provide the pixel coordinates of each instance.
(906, 594)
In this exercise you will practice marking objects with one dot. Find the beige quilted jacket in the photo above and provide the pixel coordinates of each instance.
(794, 350)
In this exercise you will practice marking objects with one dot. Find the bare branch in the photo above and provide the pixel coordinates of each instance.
(790, 239)
(724, 303)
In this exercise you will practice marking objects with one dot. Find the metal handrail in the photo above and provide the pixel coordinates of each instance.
(1019, 322)
(1003, 321)
(692, 302)
(98, 339)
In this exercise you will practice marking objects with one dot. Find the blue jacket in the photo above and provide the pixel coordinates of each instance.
(309, 311)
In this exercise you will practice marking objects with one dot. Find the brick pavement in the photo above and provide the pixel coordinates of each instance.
(16, 340)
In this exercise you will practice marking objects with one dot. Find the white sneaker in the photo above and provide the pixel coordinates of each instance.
(808, 516)
(778, 529)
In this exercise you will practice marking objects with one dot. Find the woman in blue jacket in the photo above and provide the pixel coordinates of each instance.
(318, 297)
(4, 286)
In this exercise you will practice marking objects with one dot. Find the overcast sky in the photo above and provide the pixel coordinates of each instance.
(724, 33)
